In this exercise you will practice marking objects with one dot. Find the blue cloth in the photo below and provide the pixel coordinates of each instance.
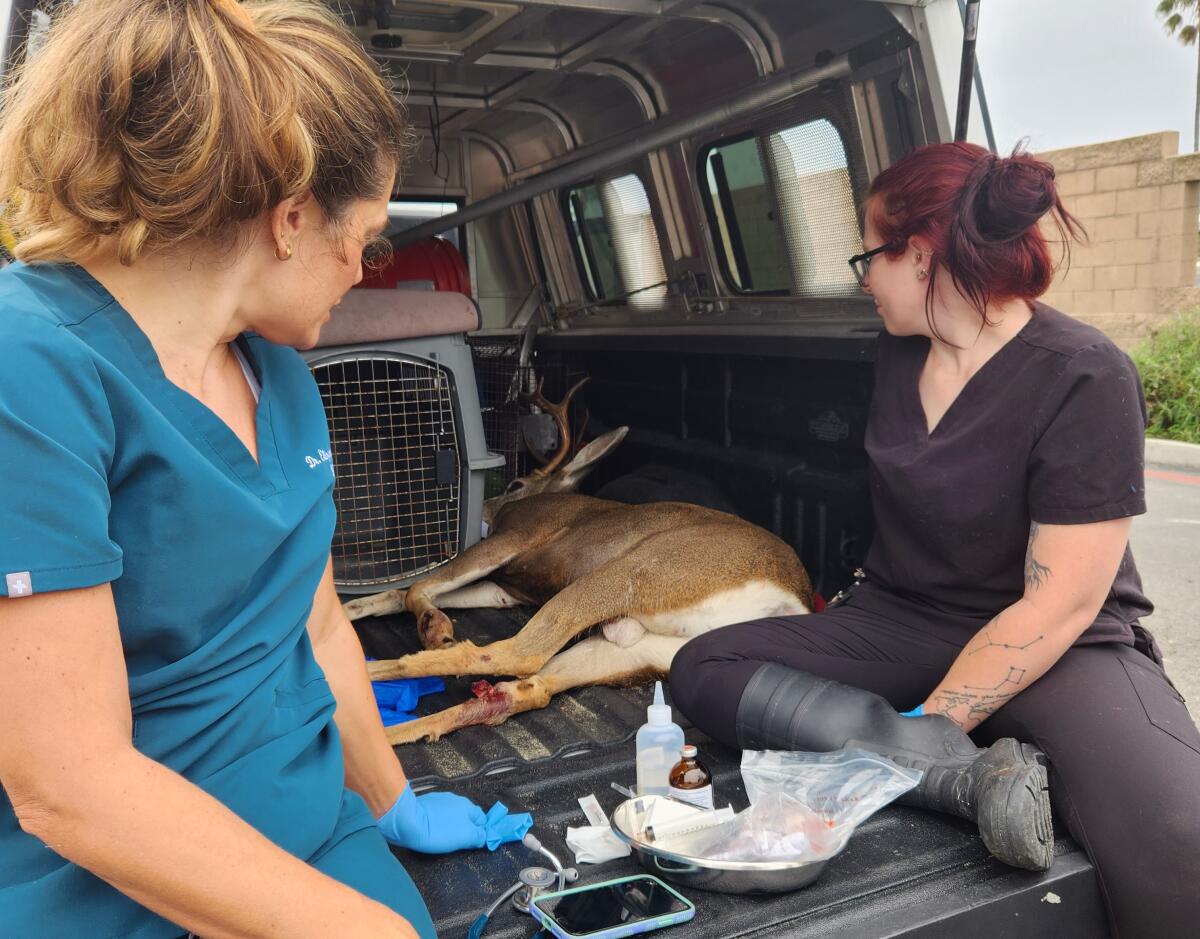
(396, 697)
(441, 822)
(111, 473)
(918, 711)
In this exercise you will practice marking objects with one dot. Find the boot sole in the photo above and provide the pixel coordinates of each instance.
(1014, 820)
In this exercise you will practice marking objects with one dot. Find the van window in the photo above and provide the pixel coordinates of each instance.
(781, 209)
(816, 206)
(738, 200)
(592, 245)
(616, 243)
(409, 213)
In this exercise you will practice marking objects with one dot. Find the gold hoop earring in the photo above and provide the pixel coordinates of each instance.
(284, 257)
(922, 274)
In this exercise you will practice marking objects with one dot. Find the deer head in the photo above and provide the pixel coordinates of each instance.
(557, 474)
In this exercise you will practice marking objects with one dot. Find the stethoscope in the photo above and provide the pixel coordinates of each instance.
(531, 883)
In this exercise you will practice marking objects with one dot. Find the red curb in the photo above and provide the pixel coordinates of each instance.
(1186, 478)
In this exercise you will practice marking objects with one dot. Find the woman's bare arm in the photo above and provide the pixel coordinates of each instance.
(372, 769)
(76, 782)
(1069, 570)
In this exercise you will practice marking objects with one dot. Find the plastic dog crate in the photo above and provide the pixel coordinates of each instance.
(398, 384)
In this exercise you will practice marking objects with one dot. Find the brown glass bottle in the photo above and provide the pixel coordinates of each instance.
(690, 779)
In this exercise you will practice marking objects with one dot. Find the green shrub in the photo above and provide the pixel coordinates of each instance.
(1169, 363)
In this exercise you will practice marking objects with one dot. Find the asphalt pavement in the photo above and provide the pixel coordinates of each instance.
(1166, 547)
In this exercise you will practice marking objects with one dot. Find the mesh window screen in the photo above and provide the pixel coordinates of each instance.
(816, 203)
(397, 457)
(635, 240)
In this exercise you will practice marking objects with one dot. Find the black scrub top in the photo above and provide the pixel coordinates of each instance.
(1051, 429)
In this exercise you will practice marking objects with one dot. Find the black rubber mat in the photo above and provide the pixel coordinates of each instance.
(905, 872)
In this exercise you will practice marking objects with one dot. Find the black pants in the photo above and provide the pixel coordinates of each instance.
(1124, 754)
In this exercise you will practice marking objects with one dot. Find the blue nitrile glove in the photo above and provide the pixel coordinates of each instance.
(441, 822)
(435, 823)
(502, 827)
(918, 711)
(397, 697)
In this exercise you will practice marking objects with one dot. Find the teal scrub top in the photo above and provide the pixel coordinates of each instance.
(111, 473)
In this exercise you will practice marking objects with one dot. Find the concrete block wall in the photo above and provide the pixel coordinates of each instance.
(1139, 200)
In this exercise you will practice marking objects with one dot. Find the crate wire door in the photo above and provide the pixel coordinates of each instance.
(398, 464)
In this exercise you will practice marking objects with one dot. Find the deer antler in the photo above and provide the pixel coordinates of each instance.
(559, 413)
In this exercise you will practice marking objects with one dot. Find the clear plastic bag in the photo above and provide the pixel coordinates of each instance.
(803, 806)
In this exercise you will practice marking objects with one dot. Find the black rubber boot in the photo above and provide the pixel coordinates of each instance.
(1002, 789)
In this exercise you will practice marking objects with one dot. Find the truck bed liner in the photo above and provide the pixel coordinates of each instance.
(906, 873)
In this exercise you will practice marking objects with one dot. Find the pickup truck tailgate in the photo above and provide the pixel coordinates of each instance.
(904, 873)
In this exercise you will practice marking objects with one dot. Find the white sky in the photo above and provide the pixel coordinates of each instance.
(1071, 72)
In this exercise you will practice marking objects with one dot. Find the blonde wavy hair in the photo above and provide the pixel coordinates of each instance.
(144, 124)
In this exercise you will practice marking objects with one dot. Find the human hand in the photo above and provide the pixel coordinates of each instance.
(435, 823)
(441, 822)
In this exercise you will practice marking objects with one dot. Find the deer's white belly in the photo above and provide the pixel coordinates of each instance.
(752, 600)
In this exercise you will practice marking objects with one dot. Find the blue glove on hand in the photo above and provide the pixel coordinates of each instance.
(441, 822)
(918, 711)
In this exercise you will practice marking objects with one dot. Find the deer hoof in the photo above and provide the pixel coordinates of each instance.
(435, 629)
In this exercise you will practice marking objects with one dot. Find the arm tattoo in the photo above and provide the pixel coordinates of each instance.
(1036, 573)
(979, 706)
(980, 702)
(990, 643)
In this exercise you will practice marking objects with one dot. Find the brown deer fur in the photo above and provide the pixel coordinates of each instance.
(649, 576)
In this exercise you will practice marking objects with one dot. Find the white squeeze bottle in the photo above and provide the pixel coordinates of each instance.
(658, 744)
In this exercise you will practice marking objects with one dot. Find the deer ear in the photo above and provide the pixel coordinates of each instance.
(579, 467)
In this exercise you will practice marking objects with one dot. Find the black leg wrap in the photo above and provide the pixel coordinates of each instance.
(1002, 789)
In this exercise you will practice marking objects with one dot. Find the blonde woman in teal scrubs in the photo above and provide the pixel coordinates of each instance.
(192, 184)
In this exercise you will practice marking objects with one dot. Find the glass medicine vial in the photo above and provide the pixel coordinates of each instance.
(690, 779)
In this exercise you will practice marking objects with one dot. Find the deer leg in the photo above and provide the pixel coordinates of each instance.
(434, 626)
(481, 595)
(603, 595)
(594, 661)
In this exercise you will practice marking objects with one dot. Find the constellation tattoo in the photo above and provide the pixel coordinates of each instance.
(991, 643)
(1014, 677)
(1036, 573)
(980, 706)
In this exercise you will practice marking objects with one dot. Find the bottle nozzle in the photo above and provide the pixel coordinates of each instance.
(659, 712)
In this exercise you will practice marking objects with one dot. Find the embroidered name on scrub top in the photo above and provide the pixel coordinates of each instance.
(116, 475)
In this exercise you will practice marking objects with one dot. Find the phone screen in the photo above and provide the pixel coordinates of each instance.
(609, 905)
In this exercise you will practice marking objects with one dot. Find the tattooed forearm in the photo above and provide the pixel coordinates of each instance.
(985, 641)
(979, 702)
(1036, 573)
(970, 706)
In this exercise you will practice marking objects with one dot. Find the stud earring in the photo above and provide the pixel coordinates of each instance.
(922, 274)
(286, 256)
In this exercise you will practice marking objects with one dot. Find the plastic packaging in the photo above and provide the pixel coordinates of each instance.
(659, 740)
(803, 806)
(690, 779)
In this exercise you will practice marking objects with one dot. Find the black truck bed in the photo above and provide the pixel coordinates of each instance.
(905, 873)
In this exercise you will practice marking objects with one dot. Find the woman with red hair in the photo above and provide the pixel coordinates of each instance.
(1000, 598)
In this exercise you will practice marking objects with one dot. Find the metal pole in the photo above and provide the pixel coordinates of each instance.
(984, 112)
(966, 73)
(654, 136)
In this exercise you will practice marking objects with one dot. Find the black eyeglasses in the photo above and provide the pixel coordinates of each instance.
(861, 263)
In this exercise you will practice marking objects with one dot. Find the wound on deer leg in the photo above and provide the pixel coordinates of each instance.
(492, 704)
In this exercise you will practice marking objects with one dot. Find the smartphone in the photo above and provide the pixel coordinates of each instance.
(612, 909)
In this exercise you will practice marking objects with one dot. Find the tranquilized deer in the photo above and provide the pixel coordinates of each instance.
(649, 576)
